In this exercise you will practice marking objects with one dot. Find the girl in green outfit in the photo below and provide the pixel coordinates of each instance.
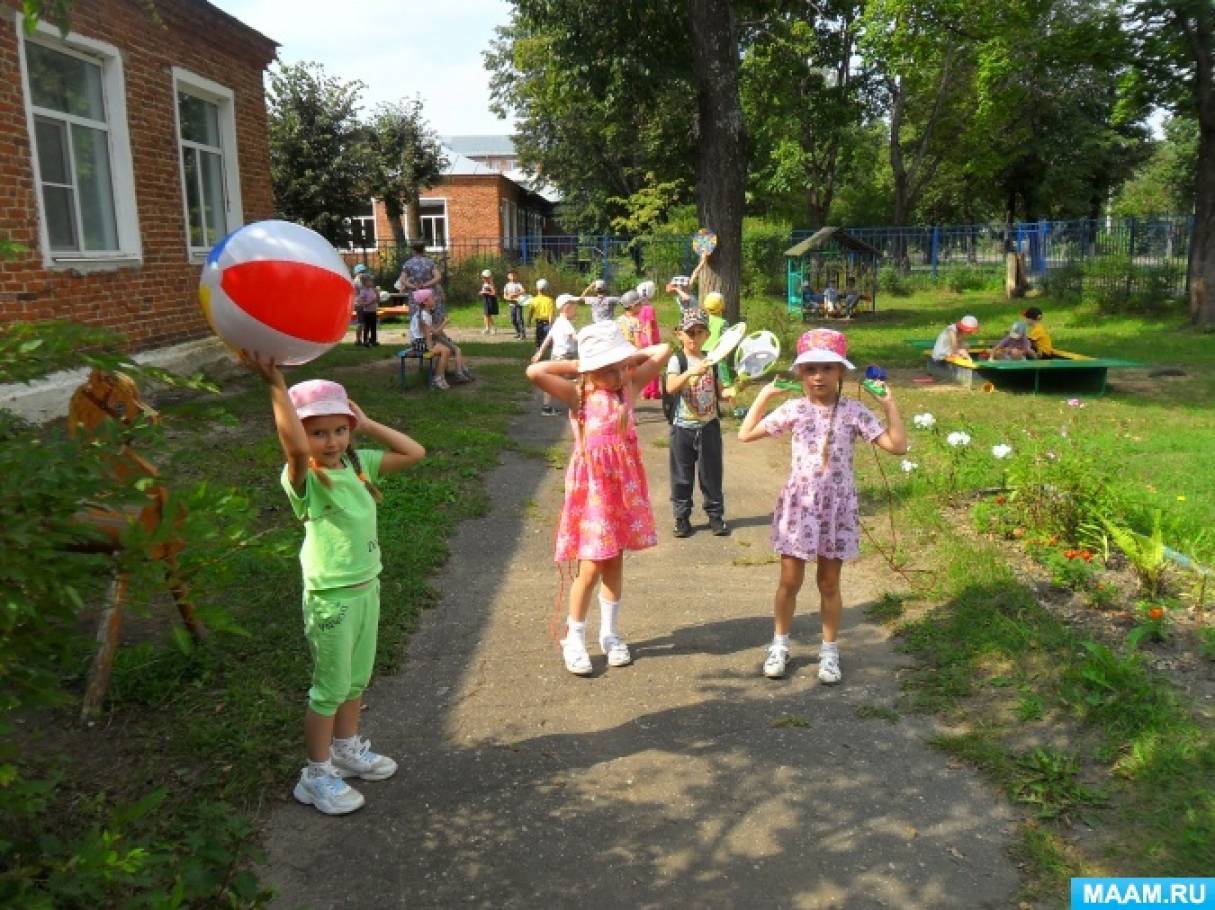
(332, 490)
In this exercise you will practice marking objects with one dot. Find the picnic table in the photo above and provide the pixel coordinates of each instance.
(1067, 371)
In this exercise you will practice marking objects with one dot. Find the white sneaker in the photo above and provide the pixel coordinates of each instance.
(327, 792)
(829, 668)
(577, 660)
(778, 658)
(617, 651)
(361, 762)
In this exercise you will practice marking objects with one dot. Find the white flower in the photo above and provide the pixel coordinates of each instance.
(908, 465)
(924, 421)
(1001, 451)
(958, 438)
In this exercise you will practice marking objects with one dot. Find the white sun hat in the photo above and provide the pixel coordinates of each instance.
(602, 344)
(486, 273)
(563, 299)
(646, 289)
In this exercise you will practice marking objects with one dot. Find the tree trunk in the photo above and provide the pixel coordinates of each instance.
(392, 208)
(720, 153)
(413, 220)
(1202, 252)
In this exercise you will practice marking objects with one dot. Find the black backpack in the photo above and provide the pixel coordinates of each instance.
(670, 403)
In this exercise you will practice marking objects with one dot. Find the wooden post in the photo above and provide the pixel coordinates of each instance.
(107, 644)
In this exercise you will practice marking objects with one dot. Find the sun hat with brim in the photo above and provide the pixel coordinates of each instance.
(602, 344)
(968, 324)
(646, 289)
(563, 299)
(1018, 329)
(823, 346)
(630, 299)
(321, 398)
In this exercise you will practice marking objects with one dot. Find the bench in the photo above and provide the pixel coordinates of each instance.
(426, 365)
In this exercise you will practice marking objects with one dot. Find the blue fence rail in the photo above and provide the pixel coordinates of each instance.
(1112, 256)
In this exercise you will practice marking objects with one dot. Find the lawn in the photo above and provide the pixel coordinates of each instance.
(163, 797)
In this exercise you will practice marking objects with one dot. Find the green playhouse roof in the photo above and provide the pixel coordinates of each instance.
(825, 237)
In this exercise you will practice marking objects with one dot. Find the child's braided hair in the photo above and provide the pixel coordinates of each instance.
(839, 394)
(353, 457)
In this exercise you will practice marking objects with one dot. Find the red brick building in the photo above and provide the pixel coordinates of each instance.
(126, 149)
(475, 209)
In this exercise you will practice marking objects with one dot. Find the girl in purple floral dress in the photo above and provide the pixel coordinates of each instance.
(607, 499)
(816, 516)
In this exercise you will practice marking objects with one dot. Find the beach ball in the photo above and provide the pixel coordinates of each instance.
(279, 289)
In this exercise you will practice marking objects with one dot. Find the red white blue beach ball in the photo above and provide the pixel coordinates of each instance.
(279, 289)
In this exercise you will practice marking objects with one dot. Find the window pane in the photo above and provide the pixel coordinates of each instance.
(51, 138)
(193, 198)
(60, 217)
(213, 196)
(64, 83)
(96, 187)
(199, 120)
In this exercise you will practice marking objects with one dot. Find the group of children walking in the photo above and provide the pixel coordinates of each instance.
(598, 373)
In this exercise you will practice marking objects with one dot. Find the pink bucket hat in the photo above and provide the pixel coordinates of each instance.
(823, 346)
(321, 398)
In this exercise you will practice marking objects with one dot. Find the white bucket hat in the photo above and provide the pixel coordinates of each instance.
(563, 299)
(602, 344)
(646, 289)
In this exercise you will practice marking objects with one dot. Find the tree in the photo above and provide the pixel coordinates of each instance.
(405, 155)
(806, 100)
(721, 162)
(925, 74)
(602, 124)
(1164, 183)
(1174, 43)
(319, 166)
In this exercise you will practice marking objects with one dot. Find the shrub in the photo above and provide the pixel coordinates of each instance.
(894, 281)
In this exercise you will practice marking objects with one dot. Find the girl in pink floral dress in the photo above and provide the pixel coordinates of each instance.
(816, 516)
(607, 499)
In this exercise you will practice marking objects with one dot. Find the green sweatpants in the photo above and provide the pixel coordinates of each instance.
(341, 625)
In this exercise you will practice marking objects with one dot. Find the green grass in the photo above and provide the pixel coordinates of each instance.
(1160, 433)
(1141, 766)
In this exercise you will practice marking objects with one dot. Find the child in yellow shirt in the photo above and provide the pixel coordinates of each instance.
(1038, 336)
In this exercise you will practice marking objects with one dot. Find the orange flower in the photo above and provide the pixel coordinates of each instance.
(1018, 533)
(1156, 614)
(1000, 500)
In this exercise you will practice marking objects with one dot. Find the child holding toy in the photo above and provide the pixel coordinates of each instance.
(817, 516)
(607, 498)
(332, 489)
(695, 428)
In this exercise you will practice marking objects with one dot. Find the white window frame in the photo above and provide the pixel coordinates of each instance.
(446, 222)
(224, 99)
(122, 171)
(374, 234)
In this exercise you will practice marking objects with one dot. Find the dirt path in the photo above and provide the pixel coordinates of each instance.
(686, 780)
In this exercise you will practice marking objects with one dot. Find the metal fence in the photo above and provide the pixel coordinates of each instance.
(1109, 256)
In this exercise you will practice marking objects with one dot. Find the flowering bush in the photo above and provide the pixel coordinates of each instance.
(924, 421)
(1001, 451)
(958, 438)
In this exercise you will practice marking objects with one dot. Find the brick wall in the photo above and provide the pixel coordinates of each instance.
(153, 303)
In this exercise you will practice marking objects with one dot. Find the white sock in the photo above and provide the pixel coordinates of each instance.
(830, 647)
(346, 745)
(317, 768)
(781, 640)
(576, 630)
(608, 611)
